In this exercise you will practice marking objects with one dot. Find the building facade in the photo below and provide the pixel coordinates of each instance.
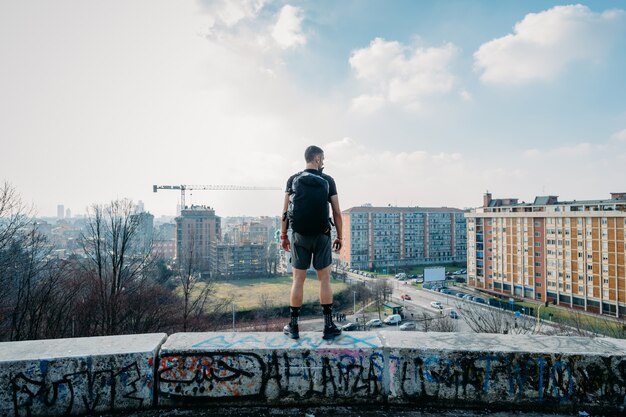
(388, 238)
(144, 232)
(569, 253)
(198, 231)
(243, 260)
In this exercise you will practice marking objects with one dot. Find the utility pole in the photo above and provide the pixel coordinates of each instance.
(354, 303)
(233, 316)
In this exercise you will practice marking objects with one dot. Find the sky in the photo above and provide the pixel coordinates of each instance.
(415, 103)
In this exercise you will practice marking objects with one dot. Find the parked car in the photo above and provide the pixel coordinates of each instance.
(374, 323)
(393, 319)
(405, 296)
(460, 294)
(408, 326)
(454, 314)
(436, 304)
(468, 297)
(350, 326)
(480, 300)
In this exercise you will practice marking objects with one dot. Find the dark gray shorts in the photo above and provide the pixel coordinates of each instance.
(303, 248)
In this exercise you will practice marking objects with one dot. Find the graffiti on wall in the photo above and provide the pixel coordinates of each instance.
(85, 391)
(515, 377)
(331, 373)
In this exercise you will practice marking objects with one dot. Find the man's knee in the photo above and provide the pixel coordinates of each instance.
(323, 274)
(299, 275)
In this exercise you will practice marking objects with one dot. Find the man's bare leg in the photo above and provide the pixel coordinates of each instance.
(297, 287)
(326, 293)
(326, 300)
(295, 302)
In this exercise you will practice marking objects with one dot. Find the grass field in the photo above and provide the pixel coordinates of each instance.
(247, 292)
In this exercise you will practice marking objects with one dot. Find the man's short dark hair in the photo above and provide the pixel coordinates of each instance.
(311, 152)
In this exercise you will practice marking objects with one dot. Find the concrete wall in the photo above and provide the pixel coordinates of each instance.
(78, 376)
(412, 368)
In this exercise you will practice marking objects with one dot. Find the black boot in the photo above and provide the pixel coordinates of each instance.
(291, 329)
(330, 330)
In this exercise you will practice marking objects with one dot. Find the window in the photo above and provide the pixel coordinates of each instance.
(537, 234)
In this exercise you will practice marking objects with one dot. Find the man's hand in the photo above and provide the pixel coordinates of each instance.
(285, 244)
(337, 245)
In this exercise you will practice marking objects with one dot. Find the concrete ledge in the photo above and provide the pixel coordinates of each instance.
(404, 369)
(78, 376)
(507, 372)
(269, 368)
(421, 369)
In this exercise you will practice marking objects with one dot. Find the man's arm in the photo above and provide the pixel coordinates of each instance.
(284, 239)
(334, 204)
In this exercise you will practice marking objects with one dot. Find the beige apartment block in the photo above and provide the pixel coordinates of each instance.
(569, 253)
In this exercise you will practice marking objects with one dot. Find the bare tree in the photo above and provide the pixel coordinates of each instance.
(483, 319)
(14, 217)
(265, 311)
(445, 324)
(195, 292)
(113, 261)
(272, 258)
(380, 289)
(426, 321)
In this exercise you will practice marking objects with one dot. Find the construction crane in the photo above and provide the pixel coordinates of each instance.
(184, 188)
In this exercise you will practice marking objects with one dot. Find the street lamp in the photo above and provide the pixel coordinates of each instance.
(354, 303)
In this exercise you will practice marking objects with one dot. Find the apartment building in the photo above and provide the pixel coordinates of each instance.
(570, 253)
(241, 260)
(378, 238)
(198, 231)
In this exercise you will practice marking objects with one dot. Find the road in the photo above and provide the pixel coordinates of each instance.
(421, 299)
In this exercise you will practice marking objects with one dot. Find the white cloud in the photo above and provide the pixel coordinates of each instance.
(400, 74)
(577, 150)
(466, 95)
(619, 136)
(241, 27)
(288, 29)
(230, 12)
(544, 43)
(367, 104)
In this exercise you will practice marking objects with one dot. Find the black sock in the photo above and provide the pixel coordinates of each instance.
(328, 314)
(295, 313)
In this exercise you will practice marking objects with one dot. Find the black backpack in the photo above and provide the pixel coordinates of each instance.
(308, 204)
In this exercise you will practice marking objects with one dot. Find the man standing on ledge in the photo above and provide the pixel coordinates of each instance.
(305, 210)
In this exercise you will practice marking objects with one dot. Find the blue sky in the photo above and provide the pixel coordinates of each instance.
(426, 103)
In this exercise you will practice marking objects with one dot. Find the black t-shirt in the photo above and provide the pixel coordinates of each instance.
(332, 188)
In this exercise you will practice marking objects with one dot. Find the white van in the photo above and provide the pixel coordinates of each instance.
(393, 319)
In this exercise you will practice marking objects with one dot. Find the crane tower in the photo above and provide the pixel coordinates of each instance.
(184, 188)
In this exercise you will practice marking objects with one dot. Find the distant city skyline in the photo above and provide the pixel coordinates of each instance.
(423, 103)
